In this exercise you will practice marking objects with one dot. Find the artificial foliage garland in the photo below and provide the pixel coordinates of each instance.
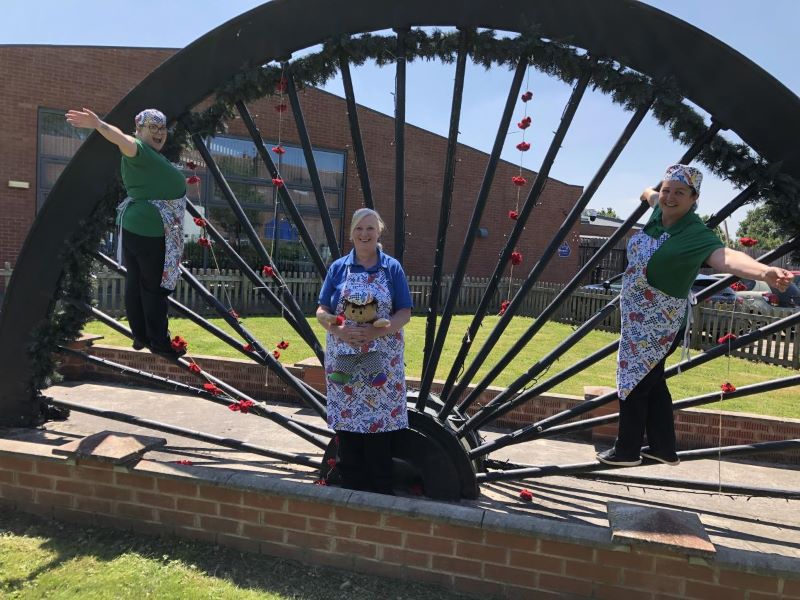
(626, 87)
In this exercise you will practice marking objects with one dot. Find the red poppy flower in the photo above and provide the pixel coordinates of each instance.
(200, 222)
(195, 368)
(184, 462)
(526, 495)
(178, 343)
(267, 271)
(525, 123)
(748, 242)
(727, 337)
(331, 463)
(523, 146)
(516, 258)
(276, 354)
(279, 149)
(321, 482)
(233, 313)
(504, 306)
(339, 320)
(281, 86)
(212, 389)
(204, 242)
(527, 96)
(248, 348)
(193, 180)
(281, 107)
(738, 286)
(277, 182)
(191, 165)
(519, 180)
(513, 215)
(283, 345)
(727, 388)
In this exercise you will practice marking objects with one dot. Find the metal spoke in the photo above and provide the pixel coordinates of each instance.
(283, 190)
(533, 196)
(400, 147)
(311, 164)
(541, 264)
(188, 433)
(255, 241)
(258, 408)
(537, 430)
(686, 455)
(444, 217)
(355, 130)
(429, 368)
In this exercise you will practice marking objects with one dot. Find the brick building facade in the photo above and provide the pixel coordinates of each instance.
(61, 77)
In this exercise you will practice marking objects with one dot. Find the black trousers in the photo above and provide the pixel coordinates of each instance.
(647, 409)
(365, 461)
(145, 299)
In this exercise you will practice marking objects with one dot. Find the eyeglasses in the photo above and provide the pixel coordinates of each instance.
(157, 128)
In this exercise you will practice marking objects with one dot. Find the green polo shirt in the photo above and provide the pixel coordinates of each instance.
(148, 176)
(674, 266)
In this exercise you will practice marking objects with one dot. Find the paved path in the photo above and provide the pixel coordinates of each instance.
(761, 524)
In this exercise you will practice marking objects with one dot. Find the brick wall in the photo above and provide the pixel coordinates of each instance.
(65, 77)
(695, 428)
(466, 549)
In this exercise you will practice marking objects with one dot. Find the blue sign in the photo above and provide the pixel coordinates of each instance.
(564, 250)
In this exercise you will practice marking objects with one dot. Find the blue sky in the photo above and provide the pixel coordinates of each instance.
(764, 32)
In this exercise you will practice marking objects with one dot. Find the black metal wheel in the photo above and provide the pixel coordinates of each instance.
(443, 446)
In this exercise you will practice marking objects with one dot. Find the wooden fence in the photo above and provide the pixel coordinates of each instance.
(234, 290)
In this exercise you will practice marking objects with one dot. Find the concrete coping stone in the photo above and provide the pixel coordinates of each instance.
(674, 530)
(110, 446)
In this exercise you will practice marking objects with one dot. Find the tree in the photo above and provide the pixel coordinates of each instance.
(608, 212)
(758, 224)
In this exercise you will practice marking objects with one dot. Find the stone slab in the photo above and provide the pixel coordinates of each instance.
(110, 446)
(674, 530)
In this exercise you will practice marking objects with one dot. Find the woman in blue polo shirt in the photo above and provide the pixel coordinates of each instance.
(364, 362)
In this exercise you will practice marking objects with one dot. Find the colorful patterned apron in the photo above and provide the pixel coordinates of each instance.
(650, 318)
(367, 385)
(171, 212)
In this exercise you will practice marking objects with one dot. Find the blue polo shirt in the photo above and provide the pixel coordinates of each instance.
(337, 272)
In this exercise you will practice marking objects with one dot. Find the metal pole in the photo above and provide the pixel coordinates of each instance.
(400, 148)
(355, 130)
(429, 364)
(519, 226)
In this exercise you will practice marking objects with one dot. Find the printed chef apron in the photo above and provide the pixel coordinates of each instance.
(367, 385)
(650, 318)
(171, 212)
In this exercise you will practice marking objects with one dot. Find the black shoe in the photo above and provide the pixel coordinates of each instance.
(138, 345)
(610, 457)
(668, 458)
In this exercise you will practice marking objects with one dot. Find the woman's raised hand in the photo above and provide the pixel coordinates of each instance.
(83, 119)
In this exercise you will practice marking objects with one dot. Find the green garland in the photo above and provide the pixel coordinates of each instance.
(630, 89)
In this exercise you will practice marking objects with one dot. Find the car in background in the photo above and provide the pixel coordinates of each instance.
(701, 282)
(759, 295)
(725, 295)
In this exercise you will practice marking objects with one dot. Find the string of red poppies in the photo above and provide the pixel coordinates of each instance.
(519, 181)
(179, 344)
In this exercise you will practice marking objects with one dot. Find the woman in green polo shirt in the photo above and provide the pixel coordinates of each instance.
(663, 261)
(151, 223)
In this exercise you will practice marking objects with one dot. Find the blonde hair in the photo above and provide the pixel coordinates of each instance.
(366, 212)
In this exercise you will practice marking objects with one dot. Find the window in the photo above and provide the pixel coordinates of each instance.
(251, 183)
(58, 141)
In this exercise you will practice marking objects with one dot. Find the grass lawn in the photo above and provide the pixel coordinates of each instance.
(47, 559)
(700, 380)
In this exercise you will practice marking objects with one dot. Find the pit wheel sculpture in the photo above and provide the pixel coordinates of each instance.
(443, 443)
